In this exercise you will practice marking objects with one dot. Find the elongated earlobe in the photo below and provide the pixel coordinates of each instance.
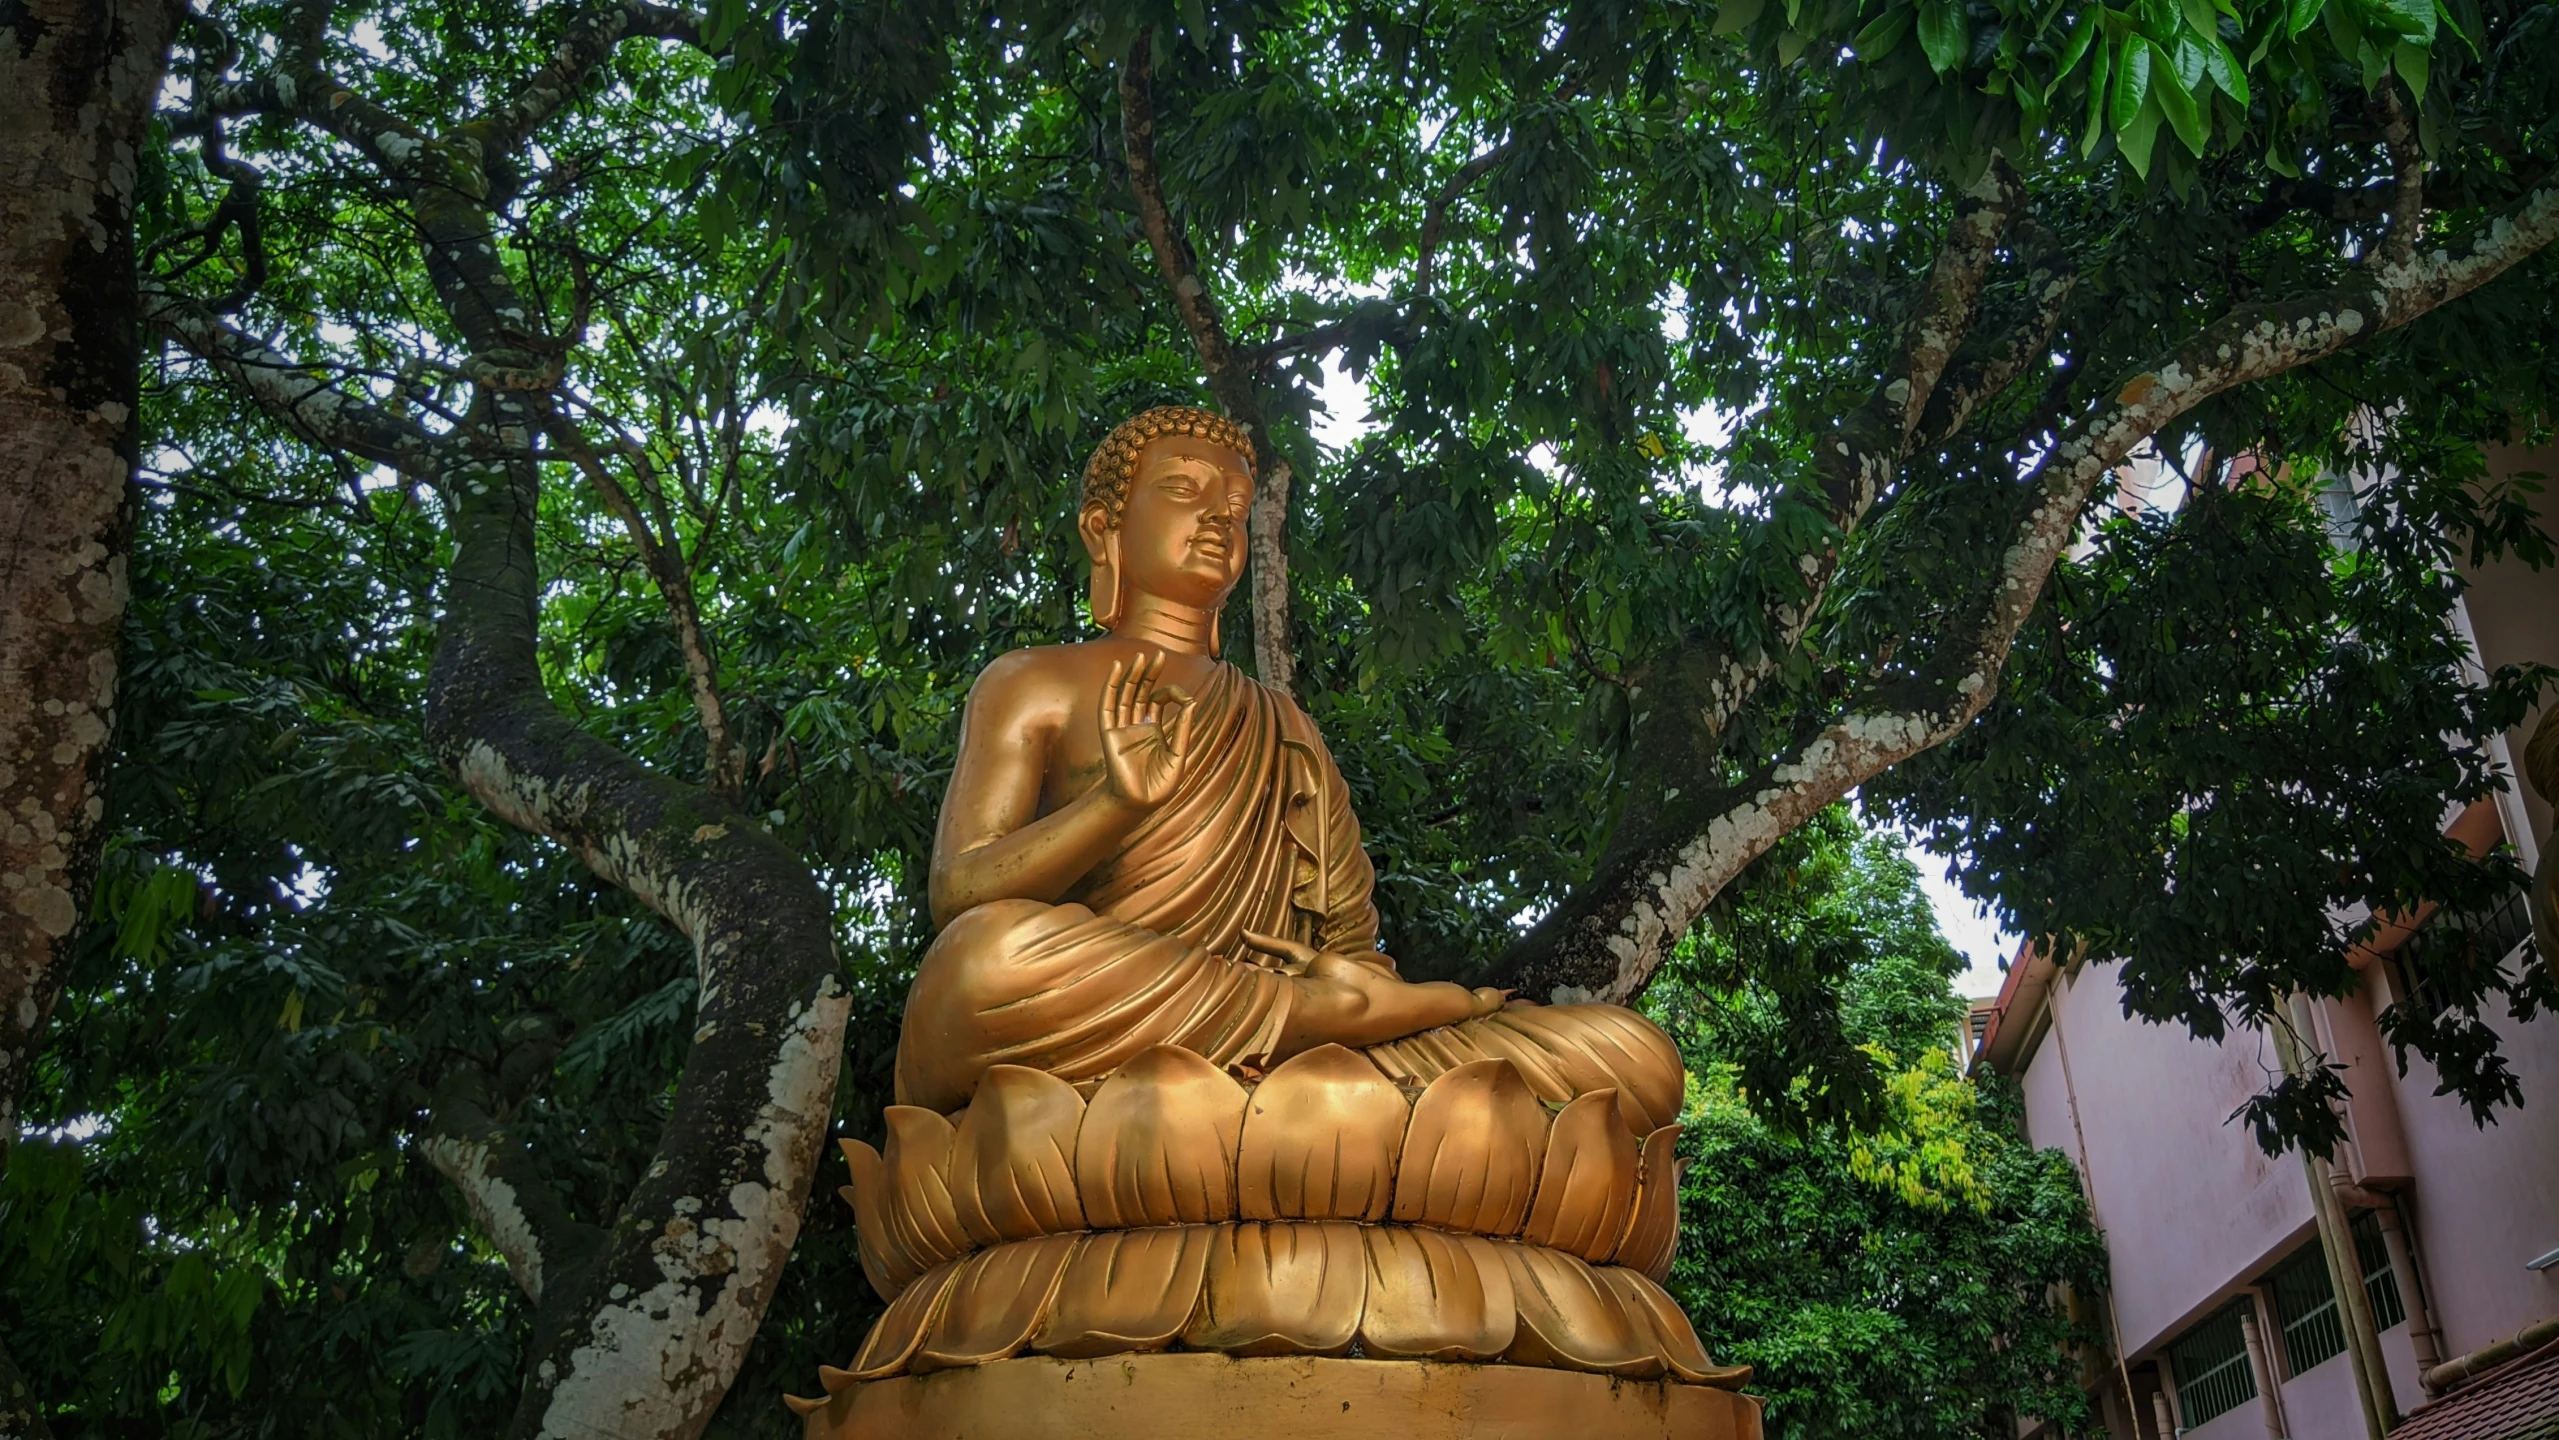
(1216, 625)
(1105, 594)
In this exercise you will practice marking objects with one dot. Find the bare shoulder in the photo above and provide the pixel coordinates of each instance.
(1035, 687)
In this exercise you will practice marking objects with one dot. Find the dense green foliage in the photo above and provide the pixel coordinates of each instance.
(1912, 1276)
(845, 306)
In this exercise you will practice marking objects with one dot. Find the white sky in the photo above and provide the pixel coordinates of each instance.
(1973, 931)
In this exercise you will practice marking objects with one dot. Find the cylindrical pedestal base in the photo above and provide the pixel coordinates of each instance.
(1119, 1397)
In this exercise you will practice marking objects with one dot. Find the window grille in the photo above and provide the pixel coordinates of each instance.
(2211, 1365)
(2454, 942)
(2306, 1303)
(2380, 1282)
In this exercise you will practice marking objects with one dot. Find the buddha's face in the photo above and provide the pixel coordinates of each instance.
(1181, 529)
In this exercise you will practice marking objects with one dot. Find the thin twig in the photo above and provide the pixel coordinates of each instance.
(723, 763)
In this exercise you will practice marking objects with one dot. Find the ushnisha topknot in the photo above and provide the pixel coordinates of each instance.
(1114, 462)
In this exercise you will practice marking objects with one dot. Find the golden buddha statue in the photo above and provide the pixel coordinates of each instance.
(1161, 1099)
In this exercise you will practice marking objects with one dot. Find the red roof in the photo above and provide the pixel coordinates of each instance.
(2517, 1401)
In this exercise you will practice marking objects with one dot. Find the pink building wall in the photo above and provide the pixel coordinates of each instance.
(2194, 1213)
(2487, 1200)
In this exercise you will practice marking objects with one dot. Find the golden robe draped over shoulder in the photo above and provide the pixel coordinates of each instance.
(1148, 949)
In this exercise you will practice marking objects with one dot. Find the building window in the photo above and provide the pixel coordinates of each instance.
(2211, 1365)
(2380, 1283)
(2454, 943)
(2307, 1305)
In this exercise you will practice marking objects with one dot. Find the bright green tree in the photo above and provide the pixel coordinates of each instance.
(1916, 1272)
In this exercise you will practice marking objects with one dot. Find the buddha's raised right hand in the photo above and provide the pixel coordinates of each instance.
(1142, 751)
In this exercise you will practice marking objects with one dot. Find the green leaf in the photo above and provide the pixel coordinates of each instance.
(2176, 97)
(2132, 85)
(2077, 46)
(2413, 18)
(1881, 34)
(2304, 14)
(2375, 61)
(2137, 138)
(2450, 20)
(1735, 16)
(2280, 163)
(2200, 17)
(2413, 62)
(1943, 34)
(2225, 70)
(2188, 64)
(2097, 73)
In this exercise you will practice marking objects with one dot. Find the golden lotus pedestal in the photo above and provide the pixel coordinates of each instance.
(1326, 1253)
(1119, 1397)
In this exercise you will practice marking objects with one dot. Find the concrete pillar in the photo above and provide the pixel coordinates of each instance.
(2159, 1411)
(2261, 1364)
(2422, 1335)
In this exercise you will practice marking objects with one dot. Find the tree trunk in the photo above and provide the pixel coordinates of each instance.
(81, 79)
(645, 1338)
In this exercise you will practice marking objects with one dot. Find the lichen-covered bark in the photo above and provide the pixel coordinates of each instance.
(80, 79)
(1675, 851)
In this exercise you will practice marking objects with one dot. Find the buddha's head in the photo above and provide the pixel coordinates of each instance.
(1165, 499)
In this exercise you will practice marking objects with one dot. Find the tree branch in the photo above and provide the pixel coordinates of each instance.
(1435, 218)
(588, 41)
(311, 407)
(1988, 375)
(724, 765)
(390, 144)
(1862, 454)
(1654, 889)
(1233, 383)
(2408, 168)
(510, 1202)
(656, 1328)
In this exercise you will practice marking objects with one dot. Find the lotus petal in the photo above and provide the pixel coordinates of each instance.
(1158, 1143)
(1013, 1157)
(1321, 1137)
(1282, 1288)
(996, 1301)
(1587, 1185)
(1569, 1320)
(893, 1339)
(886, 1264)
(1599, 1047)
(1125, 1291)
(1652, 1227)
(1471, 1157)
(1674, 1339)
(916, 1165)
(1435, 1296)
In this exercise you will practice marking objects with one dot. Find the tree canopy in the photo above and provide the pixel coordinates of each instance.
(1921, 1271)
(587, 455)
